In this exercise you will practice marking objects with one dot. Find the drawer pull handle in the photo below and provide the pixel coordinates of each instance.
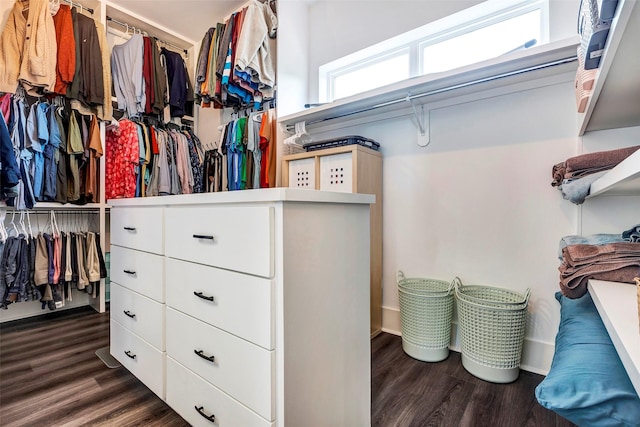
(130, 228)
(201, 354)
(211, 417)
(130, 272)
(128, 353)
(200, 295)
(130, 314)
(203, 236)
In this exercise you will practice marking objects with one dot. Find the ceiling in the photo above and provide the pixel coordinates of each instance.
(189, 18)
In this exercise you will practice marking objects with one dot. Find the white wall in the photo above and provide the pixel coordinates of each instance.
(477, 202)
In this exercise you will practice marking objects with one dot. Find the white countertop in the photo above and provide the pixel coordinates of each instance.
(618, 307)
(280, 194)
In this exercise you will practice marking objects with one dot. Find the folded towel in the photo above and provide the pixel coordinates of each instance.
(592, 239)
(576, 190)
(599, 159)
(586, 164)
(575, 287)
(632, 234)
(576, 253)
(557, 173)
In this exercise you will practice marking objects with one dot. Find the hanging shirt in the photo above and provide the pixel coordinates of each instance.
(127, 75)
(28, 47)
(66, 54)
(121, 158)
(253, 49)
(178, 80)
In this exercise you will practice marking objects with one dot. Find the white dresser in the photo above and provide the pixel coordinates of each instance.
(247, 308)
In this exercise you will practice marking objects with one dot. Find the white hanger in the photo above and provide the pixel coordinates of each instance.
(13, 223)
(29, 222)
(54, 224)
(3, 229)
(22, 224)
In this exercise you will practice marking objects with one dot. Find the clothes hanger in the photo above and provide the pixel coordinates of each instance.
(54, 224)
(13, 223)
(3, 229)
(23, 225)
(29, 222)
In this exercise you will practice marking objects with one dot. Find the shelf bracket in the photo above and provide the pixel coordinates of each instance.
(423, 124)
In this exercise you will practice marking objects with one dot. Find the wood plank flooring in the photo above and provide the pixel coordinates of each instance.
(50, 376)
(410, 393)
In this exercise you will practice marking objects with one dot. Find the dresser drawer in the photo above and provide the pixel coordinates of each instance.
(138, 228)
(234, 238)
(239, 368)
(141, 315)
(238, 303)
(139, 357)
(139, 271)
(191, 397)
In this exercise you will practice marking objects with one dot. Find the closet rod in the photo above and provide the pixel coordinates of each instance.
(57, 211)
(124, 24)
(88, 9)
(410, 97)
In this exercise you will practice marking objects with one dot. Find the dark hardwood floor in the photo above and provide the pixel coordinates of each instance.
(50, 376)
(409, 393)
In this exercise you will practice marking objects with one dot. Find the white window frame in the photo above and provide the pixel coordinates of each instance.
(482, 15)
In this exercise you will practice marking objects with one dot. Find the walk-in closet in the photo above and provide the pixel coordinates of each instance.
(207, 207)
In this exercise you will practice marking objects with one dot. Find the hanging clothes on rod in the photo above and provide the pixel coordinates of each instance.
(236, 67)
(146, 157)
(246, 155)
(55, 149)
(48, 265)
(148, 78)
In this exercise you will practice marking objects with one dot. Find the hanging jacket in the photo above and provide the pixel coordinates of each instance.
(10, 173)
(28, 49)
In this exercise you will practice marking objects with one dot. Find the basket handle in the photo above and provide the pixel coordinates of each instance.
(527, 294)
(455, 284)
(399, 277)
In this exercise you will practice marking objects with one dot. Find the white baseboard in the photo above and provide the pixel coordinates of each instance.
(536, 355)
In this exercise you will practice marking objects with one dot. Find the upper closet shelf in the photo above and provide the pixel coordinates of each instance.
(615, 102)
(536, 62)
(119, 13)
(624, 179)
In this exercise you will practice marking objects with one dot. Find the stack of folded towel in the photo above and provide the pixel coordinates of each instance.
(575, 175)
(610, 257)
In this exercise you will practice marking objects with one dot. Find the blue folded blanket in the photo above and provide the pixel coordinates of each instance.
(631, 235)
(576, 190)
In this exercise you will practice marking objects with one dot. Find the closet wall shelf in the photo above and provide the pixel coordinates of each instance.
(624, 179)
(615, 102)
(616, 304)
(537, 62)
(67, 206)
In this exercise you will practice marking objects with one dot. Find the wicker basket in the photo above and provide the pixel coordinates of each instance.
(492, 324)
(426, 307)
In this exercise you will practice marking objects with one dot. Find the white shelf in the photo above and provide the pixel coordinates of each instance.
(623, 180)
(618, 308)
(615, 102)
(536, 62)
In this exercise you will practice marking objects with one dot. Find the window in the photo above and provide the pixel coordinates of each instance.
(482, 32)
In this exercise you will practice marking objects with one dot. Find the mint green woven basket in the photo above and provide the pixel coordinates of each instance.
(492, 326)
(426, 307)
